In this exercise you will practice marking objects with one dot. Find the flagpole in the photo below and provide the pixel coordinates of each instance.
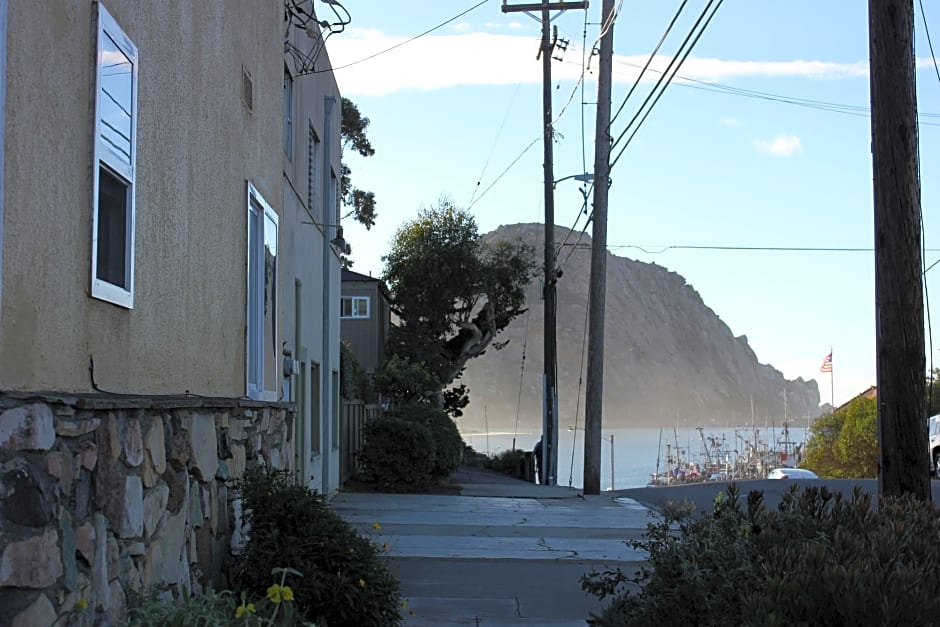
(832, 385)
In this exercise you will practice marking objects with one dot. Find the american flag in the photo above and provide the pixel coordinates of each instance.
(827, 364)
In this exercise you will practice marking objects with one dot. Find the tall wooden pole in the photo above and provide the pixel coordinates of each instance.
(594, 398)
(899, 305)
(549, 470)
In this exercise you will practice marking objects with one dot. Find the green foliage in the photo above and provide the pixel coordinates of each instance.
(508, 462)
(151, 609)
(354, 384)
(448, 445)
(403, 380)
(845, 444)
(694, 574)
(345, 580)
(154, 609)
(398, 453)
(453, 292)
(819, 559)
(836, 561)
(353, 132)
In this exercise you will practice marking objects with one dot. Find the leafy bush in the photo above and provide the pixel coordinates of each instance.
(448, 445)
(508, 462)
(818, 559)
(354, 384)
(398, 453)
(345, 580)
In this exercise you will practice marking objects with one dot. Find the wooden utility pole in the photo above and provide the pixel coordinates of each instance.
(549, 470)
(899, 304)
(594, 398)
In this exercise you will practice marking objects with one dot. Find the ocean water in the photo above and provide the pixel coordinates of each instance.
(634, 449)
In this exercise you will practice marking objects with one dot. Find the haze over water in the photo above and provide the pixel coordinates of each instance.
(635, 449)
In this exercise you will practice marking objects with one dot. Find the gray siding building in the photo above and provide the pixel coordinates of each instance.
(364, 318)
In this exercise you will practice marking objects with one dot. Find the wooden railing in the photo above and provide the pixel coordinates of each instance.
(352, 421)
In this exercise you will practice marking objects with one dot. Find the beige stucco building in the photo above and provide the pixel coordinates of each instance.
(169, 273)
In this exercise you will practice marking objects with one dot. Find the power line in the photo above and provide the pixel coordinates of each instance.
(650, 60)
(669, 78)
(929, 43)
(822, 105)
(657, 250)
(407, 41)
(499, 132)
(505, 170)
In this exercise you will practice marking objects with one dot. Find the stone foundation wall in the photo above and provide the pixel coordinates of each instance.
(100, 493)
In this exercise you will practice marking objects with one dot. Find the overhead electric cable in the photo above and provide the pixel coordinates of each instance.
(923, 233)
(407, 41)
(665, 74)
(649, 60)
(505, 170)
(668, 81)
(499, 132)
(657, 250)
(929, 42)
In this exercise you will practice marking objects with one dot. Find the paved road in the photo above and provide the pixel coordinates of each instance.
(501, 553)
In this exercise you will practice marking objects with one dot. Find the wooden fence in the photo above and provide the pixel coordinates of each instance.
(353, 417)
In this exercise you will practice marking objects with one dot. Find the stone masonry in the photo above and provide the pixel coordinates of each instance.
(100, 494)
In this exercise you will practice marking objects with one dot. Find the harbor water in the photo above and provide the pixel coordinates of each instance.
(635, 450)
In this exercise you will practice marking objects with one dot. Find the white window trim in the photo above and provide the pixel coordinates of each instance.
(255, 389)
(101, 289)
(353, 300)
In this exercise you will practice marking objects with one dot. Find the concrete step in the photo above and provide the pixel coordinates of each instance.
(482, 612)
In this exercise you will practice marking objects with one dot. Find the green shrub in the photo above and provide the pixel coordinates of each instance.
(448, 445)
(817, 559)
(345, 580)
(509, 462)
(838, 561)
(398, 453)
(353, 382)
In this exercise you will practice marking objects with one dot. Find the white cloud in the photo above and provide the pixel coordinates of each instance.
(462, 27)
(729, 121)
(492, 25)
(479, 58)
(781, 145)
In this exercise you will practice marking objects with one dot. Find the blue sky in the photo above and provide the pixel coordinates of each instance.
(706, 169)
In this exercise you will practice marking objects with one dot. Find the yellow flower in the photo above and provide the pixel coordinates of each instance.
(81, 604)
(241, 610)
(404, 604)
(385, 546)
(277, 593)
(362, 583)
(376, 526)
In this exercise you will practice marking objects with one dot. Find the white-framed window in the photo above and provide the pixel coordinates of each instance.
(354, 307)
(313, 175)
(261, 334)
(288, 114)
(112, 250)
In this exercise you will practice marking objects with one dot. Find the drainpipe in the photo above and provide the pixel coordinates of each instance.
(326, 371)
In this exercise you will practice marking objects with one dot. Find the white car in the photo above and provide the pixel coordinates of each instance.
(792, 473)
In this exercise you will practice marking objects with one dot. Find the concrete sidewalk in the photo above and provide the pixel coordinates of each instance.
(503, 552)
